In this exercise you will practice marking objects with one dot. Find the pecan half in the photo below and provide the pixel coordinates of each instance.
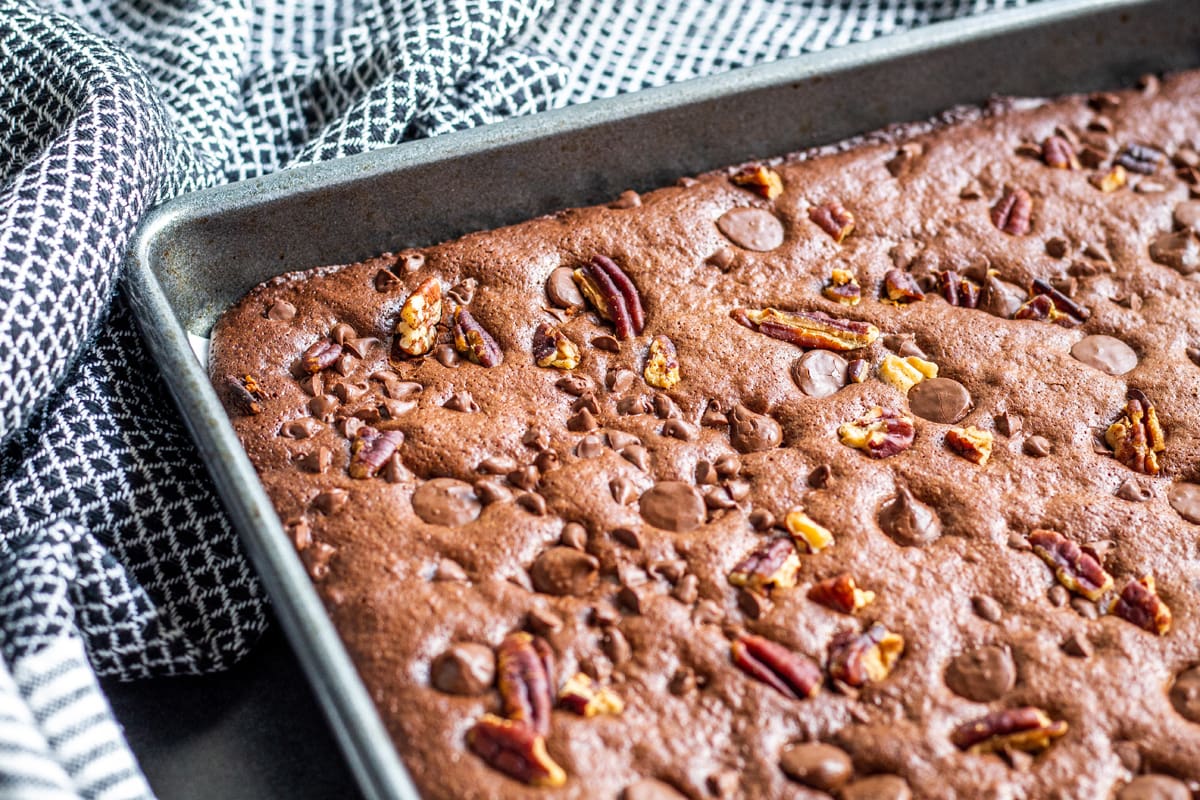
(901, 287)
(512, 747)
(879, 433)
(958, 290)
(905, 373)
(371, 449)
(1027, 728)
(581, 695)
(612, 294)
(843, 288)
(1057, 152)
(1136, 438)
(1110, 181)
(804, 529)
(662, 365)
(416, 329)
(771, 566)
(320, 355)
(841, 593)
(1075, 568)
(759, 179)
(973, 444)
(856, 658)
(1140, 158)
(833, 218)
(808, 329)
(552, 348)
(1012, 211)
(1140, 604)
(474, 342)
(1042, 288)
(525, 676)
(790, 673)
(247, 394)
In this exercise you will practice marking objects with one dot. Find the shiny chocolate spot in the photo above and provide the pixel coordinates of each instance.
(1185, 499)
(465, 668)
(1185, 694)
(1154, 787)
(878, 787)
(1036, 447)
(817, 765)
(750, 432)
(564, 571)
(942, 400)
(1105, 353)
(1134, 491)
(983, 674)
(909, 521)
(819, 373)
(752, 228)
(446, 501)
(673, 506)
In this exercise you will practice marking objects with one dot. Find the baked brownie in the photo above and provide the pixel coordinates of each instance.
(866, 472)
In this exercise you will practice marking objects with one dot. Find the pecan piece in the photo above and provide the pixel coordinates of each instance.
(973, 444)
(879, 433)
(808, 329)
(1140, 604)
(1110, 181)
(760, 180)
(772, 566)
(552, 348)
(512, 747)
(474, 342)
(901, 287)
(581, 695)
(1027, 728)
(320, 355)
(856, 658)
(957, 289)
(1077, 569)
(371, 449)
(790, 673)
(843, 288)
(662, 365)
(416, 329)
(1139, 158)
(841, 593)
(525, 676)
(1065, 305)
(612, 294)
(905, 373)
(1136, 439)
(246, 392)
(804, 529)
(1012, 211)
(833, 218)
(1057, 152)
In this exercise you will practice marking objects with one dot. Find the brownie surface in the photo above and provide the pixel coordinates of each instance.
(612, 519)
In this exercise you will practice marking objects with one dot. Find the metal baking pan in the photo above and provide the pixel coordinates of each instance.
(199, 253)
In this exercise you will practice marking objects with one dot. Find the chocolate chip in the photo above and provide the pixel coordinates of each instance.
(623, 490)
(1134, 491)
(983, 674)
(723, 784)
(942, 400)
(986, 607)
(1185, 694)
(386, 280)
(637, 455)
(582, 422)
(631, 406)
(650, 790)
(322, 406)
(627, 537)
(673, 506)
(907, 520)
(620, 381)
(678, 429)
(1105, 353)
(317, 461)
(750, 432)
(878, 787)
(752, 228)
(1179, 250)
(281, 311)
(1187, 215)
(490, 490)
(1007, 424)
(760, 519)
(564, 571)
(665, 408)
(465, 668)
(462, 402)
(446, 355)
(304, 428)
(706, 473)
(1085, 608)
(589, 447)
(718, 498)
(632, 598)
(1057, 247)
(1077, 646)
(616, 646)
(752, 604)
(1185, 499)
(1154, 787)
(713, 416)
(410, 262)
(1129, 754)
(819, 477)
(687, 589)
(587, 400)
(526, 477)
(1193, 354)
(331, 501)
(820, 766)
(722, 259)
(446, 501)
(1058, 595)
(607, 343)
(819, 373)
(1036, 447)
(533, 503)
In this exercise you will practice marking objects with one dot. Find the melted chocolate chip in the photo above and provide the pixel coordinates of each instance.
(819, 373)
(752, 228)
(673, 506)
(1179, 250)
(650, 790)
(821, 766)
(465, 668)
(1134, 491)
(722, 259)
(1185, 499)
(1154, 787)
(1185, 694)
(1077, 646)
(878, 787)
(983, 674)
(909, 521)
(281, 311)
(1187, 215)
(1036, 447)
(942, 400)
(446, 501)
(1105, 353)
(750, 432)
(986, 607)
(564, 571)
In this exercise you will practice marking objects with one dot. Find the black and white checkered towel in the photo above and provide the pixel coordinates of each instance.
(114, 556)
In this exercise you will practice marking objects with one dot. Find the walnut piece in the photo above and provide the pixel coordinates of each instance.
(841, 593)
(771, 566)
(905, 373)
(581, 695)
(416, 329)
(1140, 604)
(473, 342)
(833, 218)
(1076, 568)
(808, 329)
(552, 348)
(973, 444)
(879, 433)
(814, 536)
(843, 288)
(1137, 438)
(1028, 729)
(662, 365)
(760, 180)
(858, 658)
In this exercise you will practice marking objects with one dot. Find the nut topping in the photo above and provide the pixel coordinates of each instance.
(525, 677)
(552, 348)
(1076, 568)
(806, 531)
(841, 594)
(750, 432)
(973, 444)
(1136, 438)
(879, 433)
(320, 355)
(760, 180)
(901, 287)
(371, 450)
(1140, 604)
(1058, 153)
(1110, 181)
(513, 748)
(613, 295)
(416, 329)
(843, 288)
(246, 392)
(662, 366)
(1012, 211)
(833, 218)
(1061, 302)
(905, 373)
(856, 658)
(473, 342)
(791, 674)
(1028, 729)
(581, 695)
(808, 329)
(958, 290)
(772, 566)
(1140, 158)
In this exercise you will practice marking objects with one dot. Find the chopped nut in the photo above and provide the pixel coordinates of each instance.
(1012, 212)
(525, 677)
(612, 294)
(804, 529)
(473, 341)
(416, 329)
(973, 444)
(1136, 438)
(772, 566)
(879, 433)
(1076, 568)
(552, 348)
(808, 329)
(371, 450)
(1050, 305)
(515, 749)
(791, 674)
(1110, 181)
(901, 287)
(841, 594)
(843, 288)
(581, 695)
(1028, 729)
(247, 393)
(1058, 153)
(958, 290)
(1140, 604)
(905, 373)
(760, 180)
(833, 218)
(857, 370)
(1140, 158)
(320, 355)
(662, 366)
(856, 658)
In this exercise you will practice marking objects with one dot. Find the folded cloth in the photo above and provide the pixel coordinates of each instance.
(114, 555)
